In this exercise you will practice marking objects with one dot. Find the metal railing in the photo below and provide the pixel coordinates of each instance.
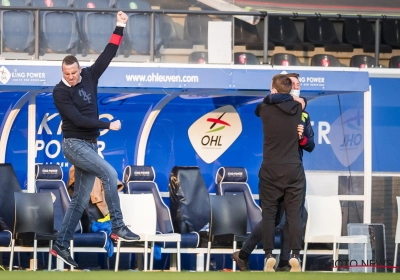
(261, 15)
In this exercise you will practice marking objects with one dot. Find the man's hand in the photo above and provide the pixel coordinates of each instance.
(300, 130)
(115, 125)
(300, 100)
(122, 17)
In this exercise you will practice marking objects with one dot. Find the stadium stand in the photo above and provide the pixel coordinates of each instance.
(245, 58)
(391, 32)
(196, 29)
(325, 60)
(285, 59)
(170, 35)
(394, 62)
(136, 38)
(18, 37)
(282, 32)
(359, 33)
(362, 61)
(58, 31)
(247, 35)
(198, 57)
(321, 32)
(93, 38)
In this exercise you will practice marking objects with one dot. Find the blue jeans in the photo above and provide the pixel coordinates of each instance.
(88, 165)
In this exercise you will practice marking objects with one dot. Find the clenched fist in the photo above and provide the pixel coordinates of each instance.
(115, 125)
(122, 17)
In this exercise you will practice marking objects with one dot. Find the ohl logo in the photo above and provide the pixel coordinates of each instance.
(225, 128)
(214, 140)
(219, 121)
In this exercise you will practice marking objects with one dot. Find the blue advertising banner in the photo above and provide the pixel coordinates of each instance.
(139, 77)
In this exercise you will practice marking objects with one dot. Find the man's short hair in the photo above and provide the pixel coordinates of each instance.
(282, 83)
(295, 75)
(69, 60)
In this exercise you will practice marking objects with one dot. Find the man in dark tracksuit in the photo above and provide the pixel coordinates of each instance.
(75, 97)
(305, 143)
(281, 174)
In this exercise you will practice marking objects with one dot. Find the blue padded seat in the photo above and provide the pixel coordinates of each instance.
(136, 38)
(233, 180)
(93, 38)
(140, 179)
(58, 30)
(17, 27)
(48, 178)
(5, 238)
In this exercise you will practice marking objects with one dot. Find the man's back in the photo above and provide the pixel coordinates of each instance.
(281, 140)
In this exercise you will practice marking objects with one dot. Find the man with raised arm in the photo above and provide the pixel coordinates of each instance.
(75, 97)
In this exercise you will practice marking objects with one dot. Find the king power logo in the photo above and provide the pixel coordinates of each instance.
(5, 75)
(212, 134)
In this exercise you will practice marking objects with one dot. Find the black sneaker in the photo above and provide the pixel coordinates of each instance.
(242, 264)
(63, 254)
(125, 234)
(269, 263)
(284, 268)
(295, 263)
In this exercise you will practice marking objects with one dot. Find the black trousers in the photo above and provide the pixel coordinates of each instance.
(281, 183)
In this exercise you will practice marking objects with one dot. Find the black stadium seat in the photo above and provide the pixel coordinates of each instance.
(321, 32)
(196, 29)
(247, 35)
(391, 32)
(198, 58)
(58, 30)
(394, 61)
(359, 33)
(170, 36)
(325, 60)
(282, 32)
(285, 59)
(17, 28)
(245, 58)
(362, 61)
(136, 38)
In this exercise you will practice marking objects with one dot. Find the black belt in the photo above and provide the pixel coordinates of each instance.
(90, 140)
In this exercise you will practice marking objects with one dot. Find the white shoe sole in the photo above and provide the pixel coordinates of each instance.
(269, 265)
(295, 264)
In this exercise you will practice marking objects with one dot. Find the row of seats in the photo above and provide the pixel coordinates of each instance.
(321, 32)
(70, 32)
(137, 180)
(75, 32)
(287, 59)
